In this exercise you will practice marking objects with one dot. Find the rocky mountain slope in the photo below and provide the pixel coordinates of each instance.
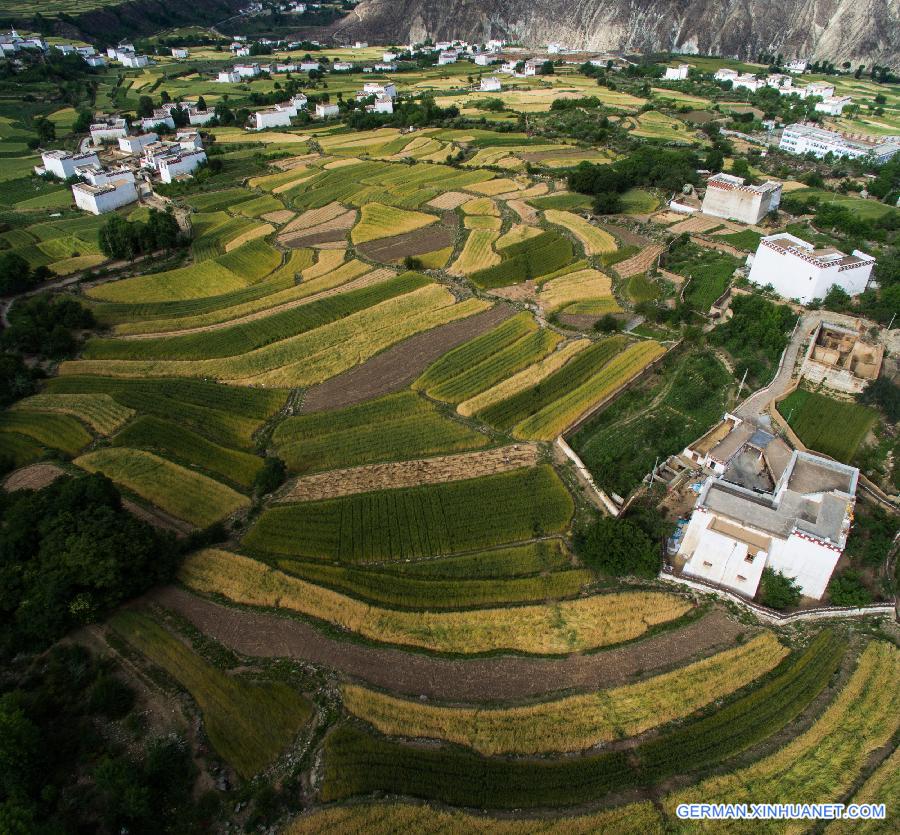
(861, 31)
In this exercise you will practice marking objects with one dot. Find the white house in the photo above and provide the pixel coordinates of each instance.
(108, 131)
(104, 198)
(383, 104)
(797, 270)
(200, 117)
(310, 66)
(159, 117)
(726, 74)
(133, 60)
(748, 82)
(272, 117)
(447, 57)
(385, 67)
(534, 66)
(798, 65)
(792, 516)
(136, 144)
(376, 88)
(155, 152)
(288, 67)
(62, 164)
(779, 81)
(327, 111)
(491, 84)
(179, 52)
(247, 70)
(494, 45)
(95, 60)
(189, 140)
(295, 105)
(185, 163)
(833, 105)
(388, 57)
(820, 88)
(361, 45)
(64, 48)
(96, 175)
(484, 59)
(679, 73)
(727, 196)
(228, 77)
(341, 66)
(809, 139)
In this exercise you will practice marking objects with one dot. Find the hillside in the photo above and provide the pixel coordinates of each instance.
(839, 30)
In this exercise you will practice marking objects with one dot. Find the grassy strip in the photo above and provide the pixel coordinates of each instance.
(569, 626)
(576, 722)
(177, 490)
(391, 428)
(822, 763)
(393, 525)
(248, 723)
(391, 589)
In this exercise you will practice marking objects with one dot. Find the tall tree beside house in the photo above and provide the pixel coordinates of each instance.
(119, 238)
(145, 106)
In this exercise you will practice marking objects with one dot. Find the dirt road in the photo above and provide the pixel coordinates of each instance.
(265, 635)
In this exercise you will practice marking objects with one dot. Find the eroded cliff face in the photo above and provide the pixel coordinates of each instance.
(861, 31)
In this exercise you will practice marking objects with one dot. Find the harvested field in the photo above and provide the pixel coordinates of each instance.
(327, 261)
(380, 221)
(411, 473)
(696, 223)
(32, 477)
(524, 292)
(397, 367)
(583, 285)
(449, 200)
(492, 187)
(481, 206)
(482, 222)
(268, 635)
(518, 233)
(667, 217)
(328, 231)
(528, 213)
(639, 263)
(157, 518)
(625, 235)
(418, 242)
(315, 217)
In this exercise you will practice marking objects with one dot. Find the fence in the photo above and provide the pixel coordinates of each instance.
(667, 575)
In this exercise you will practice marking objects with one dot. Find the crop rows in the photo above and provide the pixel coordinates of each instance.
(394, 525)
(99, 411)
(831, 426)
(573, 723)
(379, 221)
(584, 285)
(190, 496)
(248, 723)
(532, 258)
(563, 627)
(358, 763)
(596, 241)
(174, 441)
(395, 427)
(49, 429)
(821, 764)
(256, 333)
(477, 252)
(228, 415)
(526, 560)
(507, 413)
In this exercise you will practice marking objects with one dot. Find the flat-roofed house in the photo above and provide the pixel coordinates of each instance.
(491, 84)
(180, 165)
(136, 144)
(833, 105)
(104, 198)
(679, 73)
(62, 164)
(109, 130)
(727, 196)
(798, 270)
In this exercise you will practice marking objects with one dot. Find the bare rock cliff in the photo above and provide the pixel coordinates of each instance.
(861, 31)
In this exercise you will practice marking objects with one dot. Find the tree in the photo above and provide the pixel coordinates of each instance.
(847, 589)
(617, 547)
(46, 130)
(145, 106)
(714, 161)
(201, 103)
(607, 203)
(83, 121)
(883, 394)
(270, 477)
(777, 591)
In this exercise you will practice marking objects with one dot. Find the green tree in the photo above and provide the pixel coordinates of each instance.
(618, 547)
(145, 106)
(777, 591)
(848, 589)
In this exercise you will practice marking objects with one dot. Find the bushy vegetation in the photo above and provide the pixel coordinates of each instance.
(70, 553)
(120, 238)
(46, 325)
(778, 591)
(617, 547)
(834, 427)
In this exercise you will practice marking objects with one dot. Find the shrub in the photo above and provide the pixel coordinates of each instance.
(110, 697)
(618, 547)
(847, 589)
(777, 591)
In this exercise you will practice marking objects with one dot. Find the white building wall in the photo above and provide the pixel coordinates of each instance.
(107, 201)
(64, 167)
(809, 562)
(272, 119)
(136, 144)
(172, 167)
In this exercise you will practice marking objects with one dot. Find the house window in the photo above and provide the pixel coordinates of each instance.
(707, 564)
(742, 578)
(749, 558)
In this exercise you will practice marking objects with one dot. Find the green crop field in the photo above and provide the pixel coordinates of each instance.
(390, 428)
(532, 258)
(248, 722)
(436, 519)
(175, 489)
(835, 427)
(49, 429)
(486, 360)
(100, 412)
(180, 444)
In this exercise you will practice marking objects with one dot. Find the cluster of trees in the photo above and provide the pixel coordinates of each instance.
(62, 768)
(120, 238)
(618, 548)
(46, 325)
(68, 554)
(17, 277)
(755, 336)
(778, 591)
(16, 381)
(646, 165)
(406, 114)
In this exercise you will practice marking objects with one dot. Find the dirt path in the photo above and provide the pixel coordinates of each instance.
(364, 280)
(265, 635)
(370, 477)
(398, 366)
